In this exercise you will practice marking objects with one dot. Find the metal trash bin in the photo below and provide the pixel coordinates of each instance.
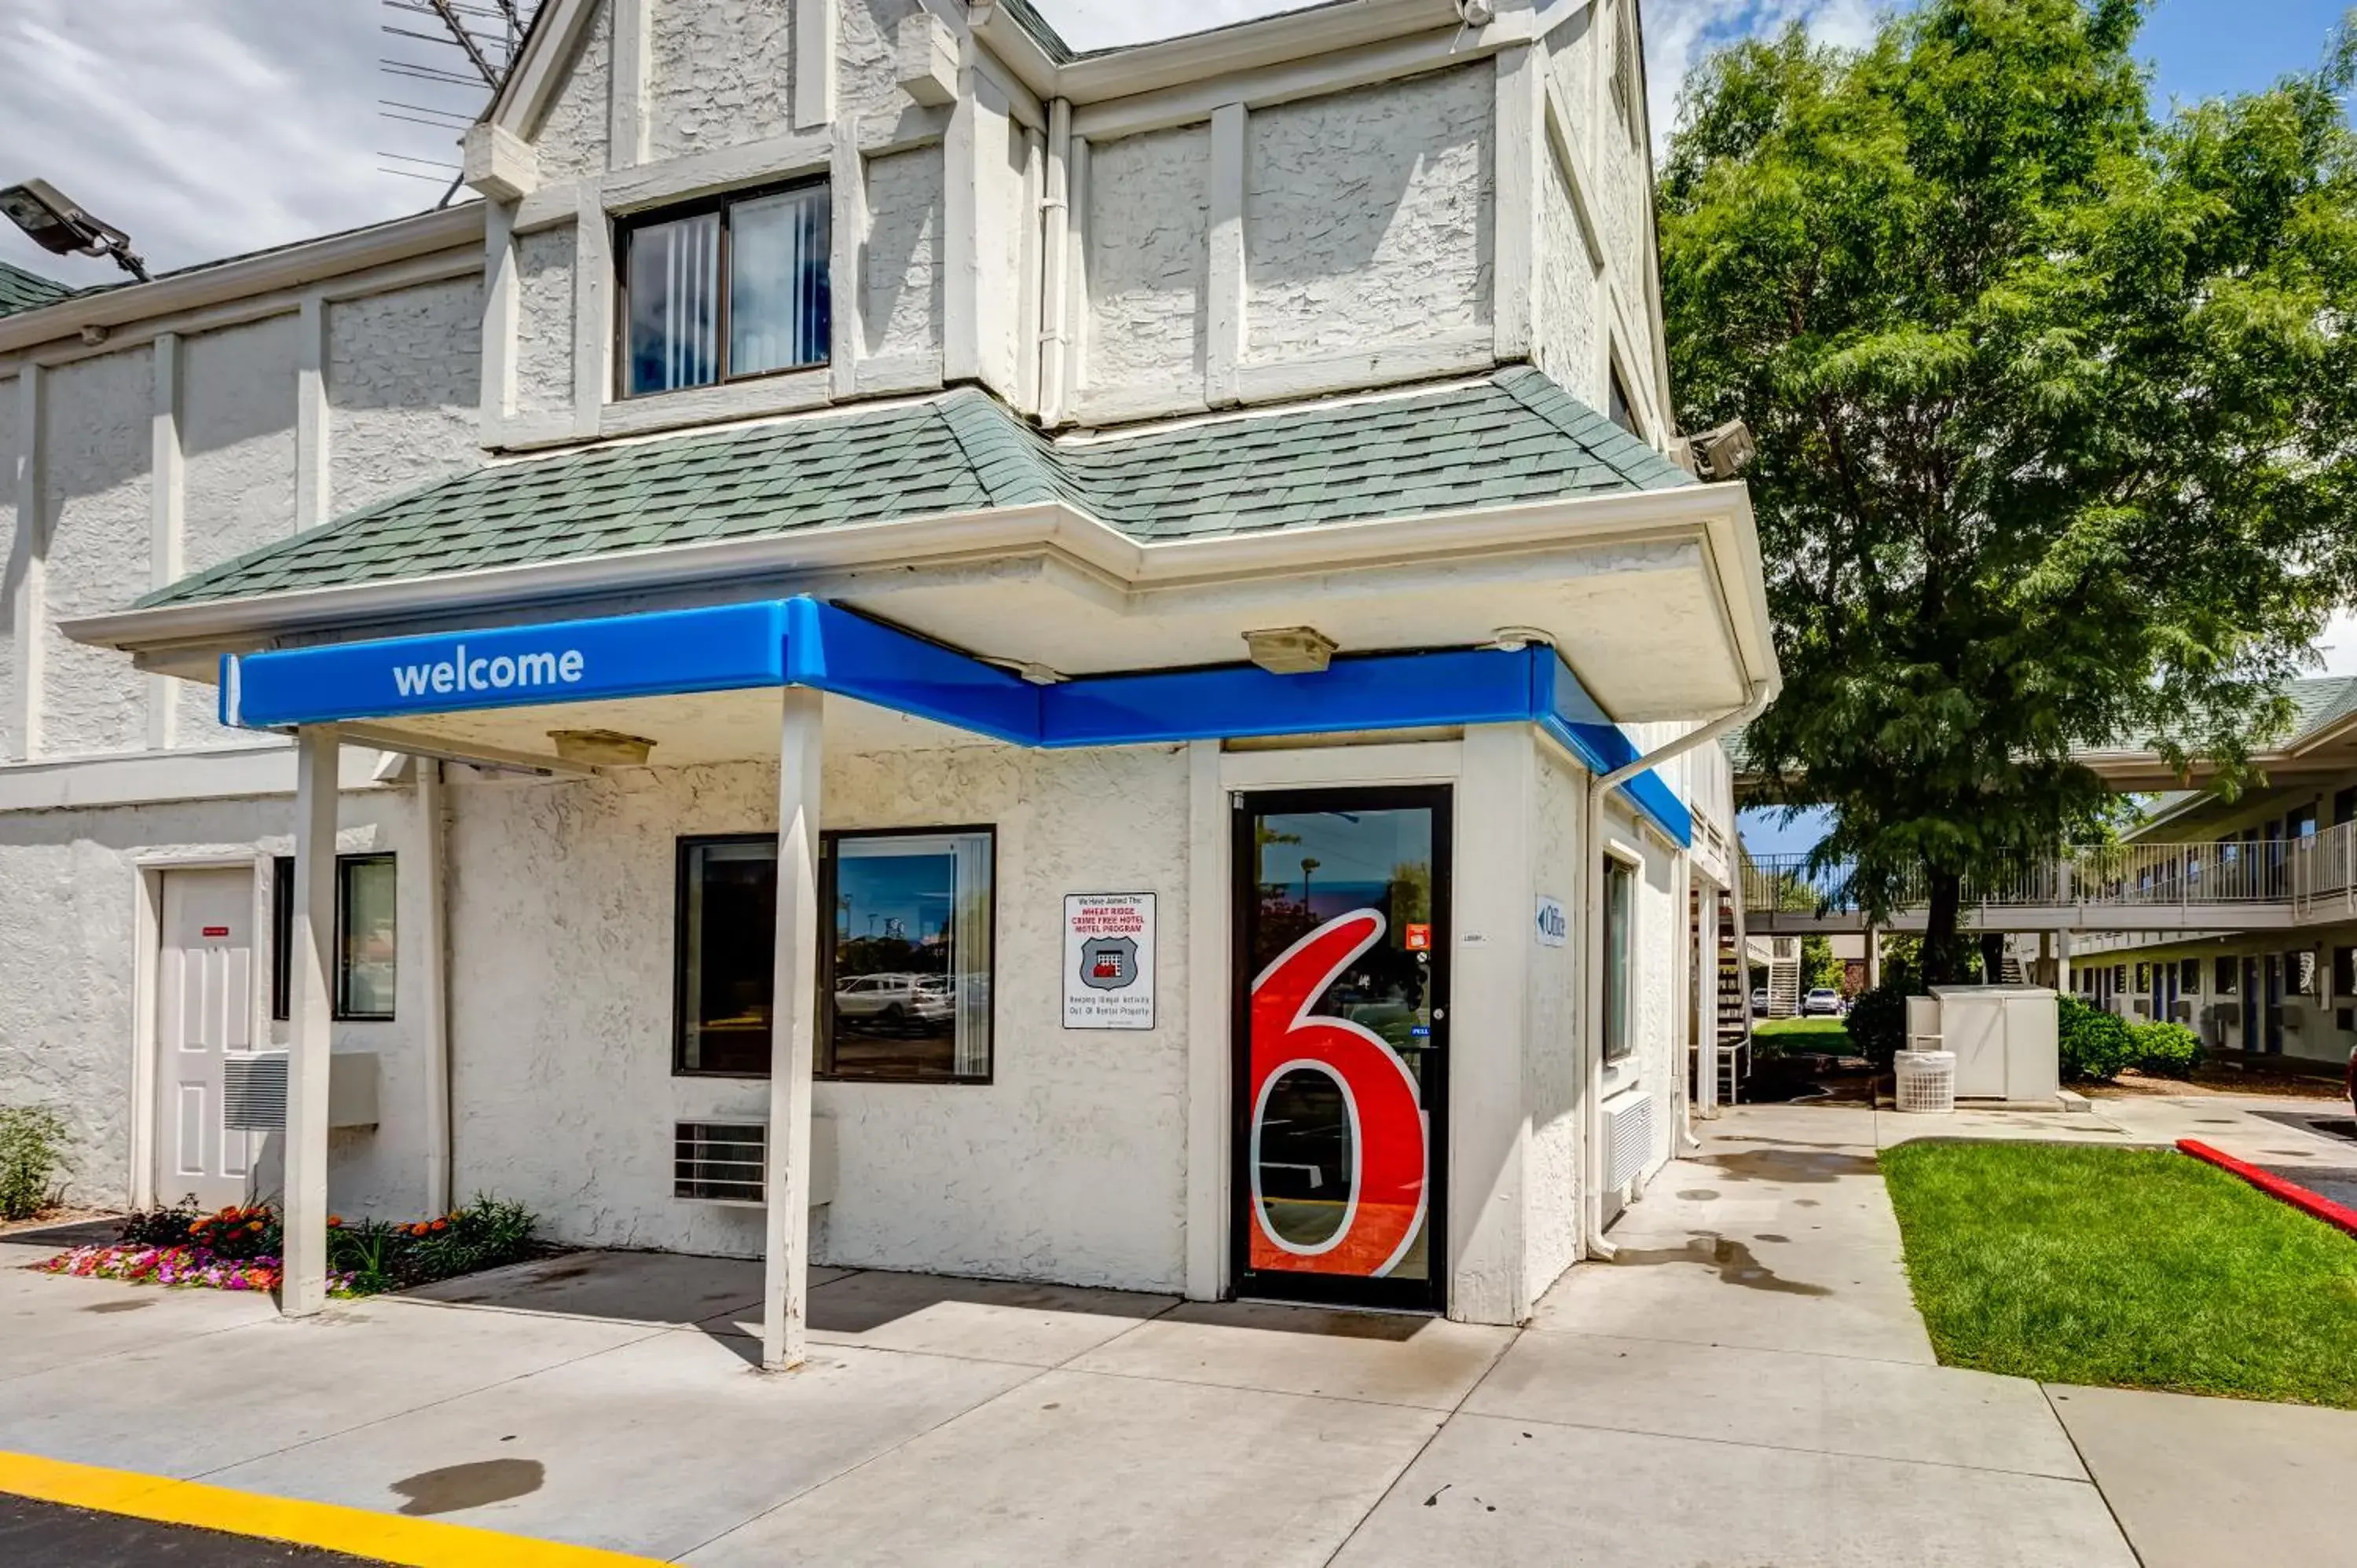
(1926, 1081)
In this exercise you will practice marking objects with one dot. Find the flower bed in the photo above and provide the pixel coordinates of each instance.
(240, 1248)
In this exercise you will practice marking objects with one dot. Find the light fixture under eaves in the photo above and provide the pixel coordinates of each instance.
(1514, 639)
(1291, 649)
(601, 747)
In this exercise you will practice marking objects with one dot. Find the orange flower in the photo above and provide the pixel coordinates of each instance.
(335, 1221)
(441, 1225)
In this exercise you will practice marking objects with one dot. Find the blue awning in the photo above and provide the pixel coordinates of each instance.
(804, 642)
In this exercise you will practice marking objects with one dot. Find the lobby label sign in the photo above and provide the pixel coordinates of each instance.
(1109, 960)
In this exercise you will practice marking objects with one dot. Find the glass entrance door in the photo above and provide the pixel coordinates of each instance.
(1342, 945)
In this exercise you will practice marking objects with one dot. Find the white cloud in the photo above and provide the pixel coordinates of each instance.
(1679, 32)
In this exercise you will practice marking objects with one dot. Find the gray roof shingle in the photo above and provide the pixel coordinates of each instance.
(1513, 437)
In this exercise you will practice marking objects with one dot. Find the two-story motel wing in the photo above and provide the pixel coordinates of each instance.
(1088, 667)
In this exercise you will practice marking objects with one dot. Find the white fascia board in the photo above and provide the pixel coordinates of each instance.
(140, 778)
(1290, 36)
(1716, 517)
(290, 267)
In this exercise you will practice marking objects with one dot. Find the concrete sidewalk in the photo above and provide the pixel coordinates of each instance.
(1748, 1382)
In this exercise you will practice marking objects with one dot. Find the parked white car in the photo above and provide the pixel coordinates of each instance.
(891, 997)
(1759, 1002)
(1824, 1002)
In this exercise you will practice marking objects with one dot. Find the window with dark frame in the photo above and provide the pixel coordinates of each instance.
(366, 938)
(1619, 916)
(905, 967)
(366, 928)
(726, 289)
(2227, 972)
(2345, 972)
(1620, 412)
(2189, 976)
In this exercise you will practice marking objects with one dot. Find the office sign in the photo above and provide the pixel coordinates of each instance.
(729, 647)
(1109, 960)
(1553, 924)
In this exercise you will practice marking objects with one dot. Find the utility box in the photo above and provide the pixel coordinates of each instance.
(2005, 1039)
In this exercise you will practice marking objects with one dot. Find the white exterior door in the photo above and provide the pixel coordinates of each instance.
(206, 1012)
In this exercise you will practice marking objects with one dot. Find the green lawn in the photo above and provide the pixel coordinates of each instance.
(2134, 1268)
(1775, 1035)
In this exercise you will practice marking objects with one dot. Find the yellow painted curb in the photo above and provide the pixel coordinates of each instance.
(358, 1532)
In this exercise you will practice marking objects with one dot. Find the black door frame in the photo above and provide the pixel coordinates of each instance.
(1429, 1294)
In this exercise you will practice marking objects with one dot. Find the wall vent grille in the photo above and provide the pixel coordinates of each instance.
(253, 1092)
(720, 1161)
(1628, 1140)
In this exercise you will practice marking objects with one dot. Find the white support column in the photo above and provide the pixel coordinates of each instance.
(309, 1030)
(1706, 1058)
(1521, 140)
(631, 96)
(1872, 958)
(960, 249)
(167, 502)
(1210, 1065)
(28, 565)
(502, 307)
(593, 321)
(314, 504)
(1224, 339)
(2062, 960)
(433, 953)
(813, 63)
(794, 1033)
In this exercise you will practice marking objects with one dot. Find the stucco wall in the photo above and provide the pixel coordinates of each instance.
(1569, 294)
(404, 374)
(68, 957)
(721, 73)
(1070, 1165)
(900, 311)
(1003, 218)
(1550, 1052)
(237, 441)
(571, 140)
(1367, 216)
(237, 444)
(545, 321)
(868, 75)
(1148, 267)
(96, 436)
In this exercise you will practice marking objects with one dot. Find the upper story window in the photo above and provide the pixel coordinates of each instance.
(726, 288)
(1627, 71)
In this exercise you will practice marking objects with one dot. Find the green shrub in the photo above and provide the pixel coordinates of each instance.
(2094, 1044)
(2165, 1050)
(32, 1147)
(1877, 1023)
(379, 1256)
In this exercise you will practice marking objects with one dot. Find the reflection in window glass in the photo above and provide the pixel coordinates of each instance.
(674, 277)
(729, 911)
(1620, 911)
(779, 309)
(364, 936)
(907, 970)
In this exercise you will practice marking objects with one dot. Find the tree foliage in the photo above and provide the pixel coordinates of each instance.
(2055, 403)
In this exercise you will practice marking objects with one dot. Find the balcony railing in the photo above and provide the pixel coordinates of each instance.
(2303, 873)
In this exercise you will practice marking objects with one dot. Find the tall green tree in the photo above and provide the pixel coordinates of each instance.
(2056, 403)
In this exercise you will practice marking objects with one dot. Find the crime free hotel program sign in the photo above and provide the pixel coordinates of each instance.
(1109, 960)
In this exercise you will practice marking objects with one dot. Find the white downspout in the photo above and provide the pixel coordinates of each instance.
(1055, 263)
(1591, 845)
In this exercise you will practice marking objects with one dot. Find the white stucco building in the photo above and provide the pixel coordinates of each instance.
(1125, 622)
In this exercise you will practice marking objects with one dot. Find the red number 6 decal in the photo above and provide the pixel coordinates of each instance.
(1385, 1207)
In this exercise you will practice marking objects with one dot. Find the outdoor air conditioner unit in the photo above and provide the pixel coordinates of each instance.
(2181, 1010)
(1628, 1140)
(253, 1090)
(723, 1161)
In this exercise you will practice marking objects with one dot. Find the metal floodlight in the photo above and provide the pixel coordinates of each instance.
(1291, 649)
(61, 227)
(1725, 451)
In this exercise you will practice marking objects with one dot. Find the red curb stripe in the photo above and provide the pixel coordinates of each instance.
(2314, 1204)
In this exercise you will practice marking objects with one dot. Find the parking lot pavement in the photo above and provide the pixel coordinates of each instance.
(1755, 1331)
(32, 1531)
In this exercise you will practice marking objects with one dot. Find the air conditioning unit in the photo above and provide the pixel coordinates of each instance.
(253, 1090)
(2181, 1010)
(719, 1161)
(1628, 1140)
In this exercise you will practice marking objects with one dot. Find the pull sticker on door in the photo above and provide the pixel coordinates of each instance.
(1384, 1202)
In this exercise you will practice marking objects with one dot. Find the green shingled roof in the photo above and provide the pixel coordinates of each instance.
(21, 290)
(1515, 437)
